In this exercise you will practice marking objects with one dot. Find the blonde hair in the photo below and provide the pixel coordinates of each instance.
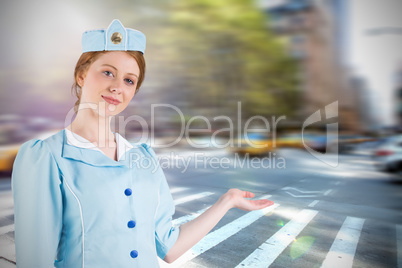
(85, 61)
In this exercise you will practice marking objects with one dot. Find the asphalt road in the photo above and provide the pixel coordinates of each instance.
(328, 212)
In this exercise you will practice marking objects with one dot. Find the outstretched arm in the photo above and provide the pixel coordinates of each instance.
(193, 231)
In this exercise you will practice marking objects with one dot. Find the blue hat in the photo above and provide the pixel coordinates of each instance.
(115, 37)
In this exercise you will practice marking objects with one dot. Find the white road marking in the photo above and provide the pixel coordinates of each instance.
(266, 254)
(6, 194)
(192, 216)
(6, 200)
(342, 251)
(328, 192)
(191, 197)
(300, 191)
(6, 264)
(399, 244)
(6, 229)
(178, 189)
(187, 218)
(214, 238)
(305, 196)
(7, 212)
(312, 204)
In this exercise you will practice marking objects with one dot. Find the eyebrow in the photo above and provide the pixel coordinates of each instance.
(111, 66)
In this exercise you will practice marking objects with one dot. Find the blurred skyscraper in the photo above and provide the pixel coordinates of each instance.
(317, 36)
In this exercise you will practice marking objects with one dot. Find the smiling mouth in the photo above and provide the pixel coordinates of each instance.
(111, 100)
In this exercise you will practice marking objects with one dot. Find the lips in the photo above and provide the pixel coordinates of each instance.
(111, 100)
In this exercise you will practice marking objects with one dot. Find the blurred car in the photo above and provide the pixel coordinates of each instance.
(388, 154)
(254, 144)
(290, 140)
(348, 143)
(7, 156)
(315, 141)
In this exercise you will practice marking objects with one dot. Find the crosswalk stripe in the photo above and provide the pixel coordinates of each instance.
(214, 238)
(266, 254)
(178, 189)
(6, 229)
(342, 251)
(399, 244)
(192, 216)
(187, 218)
(328, 192)
(312, 204)
(191, 197)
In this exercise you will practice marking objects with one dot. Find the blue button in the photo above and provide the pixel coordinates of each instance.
(134, 254)
(131, 224)
(128, 192)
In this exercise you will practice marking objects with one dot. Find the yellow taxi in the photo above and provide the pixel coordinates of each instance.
(253, 144)
(7, 156)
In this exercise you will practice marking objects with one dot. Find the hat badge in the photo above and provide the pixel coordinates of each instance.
(116, 38)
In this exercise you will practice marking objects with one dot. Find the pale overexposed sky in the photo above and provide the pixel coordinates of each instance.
(377, 58)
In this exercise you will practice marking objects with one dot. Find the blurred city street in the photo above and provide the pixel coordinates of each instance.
(298, 101)
(346, 216)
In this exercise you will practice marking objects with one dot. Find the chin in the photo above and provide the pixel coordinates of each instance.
(113, 109)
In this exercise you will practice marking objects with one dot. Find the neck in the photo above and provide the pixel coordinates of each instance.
(93, 127)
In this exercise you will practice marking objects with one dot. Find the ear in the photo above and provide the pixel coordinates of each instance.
(80, 79)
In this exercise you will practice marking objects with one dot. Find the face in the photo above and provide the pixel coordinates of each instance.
(109, 83)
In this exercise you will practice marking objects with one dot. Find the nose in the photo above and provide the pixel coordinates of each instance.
(116, 87)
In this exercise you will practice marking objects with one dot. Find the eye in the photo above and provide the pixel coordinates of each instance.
(108, 73)
(129, 81)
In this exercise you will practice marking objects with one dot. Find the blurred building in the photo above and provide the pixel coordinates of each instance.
(398, 99)
(364, 110)
(316, 32)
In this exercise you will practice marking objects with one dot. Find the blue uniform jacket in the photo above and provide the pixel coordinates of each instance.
(76, 207)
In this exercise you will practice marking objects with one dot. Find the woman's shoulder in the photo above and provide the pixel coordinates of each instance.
(41, 144)
(35, 163)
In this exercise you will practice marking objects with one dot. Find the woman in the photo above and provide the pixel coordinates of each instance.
(78, 200)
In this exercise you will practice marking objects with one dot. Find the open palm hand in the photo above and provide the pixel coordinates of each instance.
(238, 200)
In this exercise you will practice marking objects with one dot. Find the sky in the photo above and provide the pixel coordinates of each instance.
(377, 58)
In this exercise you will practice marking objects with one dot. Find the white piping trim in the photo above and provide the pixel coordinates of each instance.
(82, 222)
(107, 33)
(159, 201)
(125, 44)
